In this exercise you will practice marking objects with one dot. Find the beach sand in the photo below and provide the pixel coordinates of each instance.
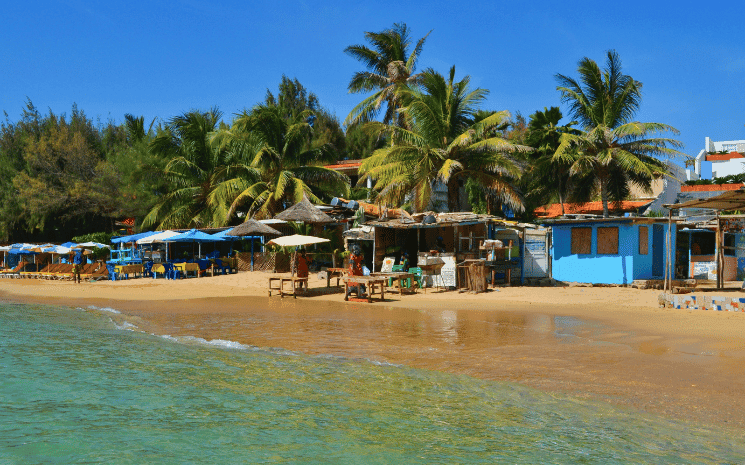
(607, 343)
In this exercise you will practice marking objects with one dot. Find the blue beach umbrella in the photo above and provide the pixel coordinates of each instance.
(194, 235)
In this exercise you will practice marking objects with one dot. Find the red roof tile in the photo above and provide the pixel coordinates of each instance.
(723, 156)
(712, 187)
(590, 208)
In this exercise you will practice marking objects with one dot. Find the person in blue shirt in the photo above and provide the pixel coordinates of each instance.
(77, 264)
(404, 261)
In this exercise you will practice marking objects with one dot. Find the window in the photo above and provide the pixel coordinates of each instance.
(643, 240)
(608, 241)
(581, 241)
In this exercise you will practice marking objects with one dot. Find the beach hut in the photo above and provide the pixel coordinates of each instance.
(611, 250)
(304, 212)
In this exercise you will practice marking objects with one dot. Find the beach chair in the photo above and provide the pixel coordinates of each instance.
(171, 271)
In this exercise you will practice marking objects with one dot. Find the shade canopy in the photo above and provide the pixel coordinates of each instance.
(163, 236)
(194, 235)
(732, 200)
(296, 240)
(133, 237)
(305, 212)
(252, 227)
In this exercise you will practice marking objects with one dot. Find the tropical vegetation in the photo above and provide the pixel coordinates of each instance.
(427, 141)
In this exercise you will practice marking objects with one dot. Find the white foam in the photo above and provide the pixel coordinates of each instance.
(126, 326)
(103, 309)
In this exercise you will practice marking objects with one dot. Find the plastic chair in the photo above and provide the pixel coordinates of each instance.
(147, 270)
(395, 268)
(213, 254)
(113, 275)
(173, 272)
(417, 276)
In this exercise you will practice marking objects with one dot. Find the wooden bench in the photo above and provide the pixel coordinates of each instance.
(337, 273)
(281, 280)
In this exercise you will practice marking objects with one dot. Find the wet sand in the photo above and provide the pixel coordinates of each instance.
(612, 344)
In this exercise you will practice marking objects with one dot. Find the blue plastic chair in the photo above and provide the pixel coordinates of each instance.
(171, 271)
(221, 266)
(148, 270)
(113, 275)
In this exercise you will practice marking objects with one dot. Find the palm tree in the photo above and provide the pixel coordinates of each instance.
(547, 178)
(390, 69)
(194, 170)
(280, 165)
(612, 150)
(444, 145)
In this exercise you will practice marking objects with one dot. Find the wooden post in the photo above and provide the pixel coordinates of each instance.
(375, 242)
(720, 255)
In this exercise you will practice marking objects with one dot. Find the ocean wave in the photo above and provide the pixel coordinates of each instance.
(103, 309)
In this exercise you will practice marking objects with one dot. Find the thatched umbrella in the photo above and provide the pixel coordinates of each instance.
(251, 227)
(305, 212)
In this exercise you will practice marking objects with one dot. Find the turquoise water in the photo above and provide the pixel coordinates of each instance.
(77, 388)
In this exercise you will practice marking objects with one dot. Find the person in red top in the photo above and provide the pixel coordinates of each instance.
(302, 266)
(355, 269)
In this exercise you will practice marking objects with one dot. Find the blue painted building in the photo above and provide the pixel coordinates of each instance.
(610, 250)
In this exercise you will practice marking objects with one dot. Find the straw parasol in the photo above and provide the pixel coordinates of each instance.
(251, 227)
(305, 212)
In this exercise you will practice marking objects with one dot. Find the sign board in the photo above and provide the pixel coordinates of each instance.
(447, 273)
(704, 270)
(387, 266)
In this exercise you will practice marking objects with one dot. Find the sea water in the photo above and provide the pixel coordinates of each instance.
(76, 387)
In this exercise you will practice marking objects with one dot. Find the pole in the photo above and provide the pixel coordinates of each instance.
(375, 242)
(252, 253)
(720, 278)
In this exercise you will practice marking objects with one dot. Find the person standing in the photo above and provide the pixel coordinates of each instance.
(301, 264)
(77, 264)
(355, 269)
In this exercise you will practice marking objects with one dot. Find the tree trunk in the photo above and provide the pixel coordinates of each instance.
(604, 196)
(453, 195)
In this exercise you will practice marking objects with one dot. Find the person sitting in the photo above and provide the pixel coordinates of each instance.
(301, 264)
(355, 269)
(404, 261)
(440, 245)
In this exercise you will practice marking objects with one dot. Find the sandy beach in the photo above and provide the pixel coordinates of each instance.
(607, 343)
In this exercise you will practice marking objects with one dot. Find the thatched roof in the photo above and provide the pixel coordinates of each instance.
(251, 227)
(306, 212)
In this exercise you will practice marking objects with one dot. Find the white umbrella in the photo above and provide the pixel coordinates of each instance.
(296, 240)
(89, 245)
(158, 238)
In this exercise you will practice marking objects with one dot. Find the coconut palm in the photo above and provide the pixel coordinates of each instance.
(612, 150)
(390, 69)
(194, 169)
(547, 178)
(444, 145)
(280, 164)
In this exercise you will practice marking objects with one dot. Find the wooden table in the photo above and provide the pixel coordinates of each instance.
(187, 268)
(397, 276)
(281, 280)
(337, 273)
(129, 269)
(371, 282)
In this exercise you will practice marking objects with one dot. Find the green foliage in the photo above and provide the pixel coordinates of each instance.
(444, 145)
(100, 237)
(729, 179)
(390, 66)
(612, 151)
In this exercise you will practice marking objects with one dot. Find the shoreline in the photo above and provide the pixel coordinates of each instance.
(610, 344)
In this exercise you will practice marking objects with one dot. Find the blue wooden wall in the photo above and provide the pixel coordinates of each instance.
(621, 268)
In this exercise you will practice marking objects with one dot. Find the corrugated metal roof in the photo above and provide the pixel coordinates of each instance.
(733, 200)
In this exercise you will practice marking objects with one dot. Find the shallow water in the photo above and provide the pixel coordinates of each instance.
(82, 386)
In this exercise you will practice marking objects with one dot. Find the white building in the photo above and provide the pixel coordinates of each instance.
(727, 157)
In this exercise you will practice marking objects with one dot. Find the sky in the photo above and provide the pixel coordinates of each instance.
(161, 59)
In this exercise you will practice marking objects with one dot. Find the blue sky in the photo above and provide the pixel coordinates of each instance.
(160, 59)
